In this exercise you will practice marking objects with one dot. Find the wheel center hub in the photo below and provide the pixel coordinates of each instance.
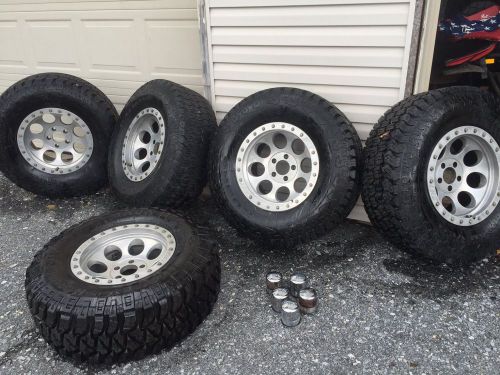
(283, 167)
(449, 175)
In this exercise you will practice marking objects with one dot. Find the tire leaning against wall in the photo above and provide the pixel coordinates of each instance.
(423, 179)
(289, 136)
(54, 135)
(159, 149)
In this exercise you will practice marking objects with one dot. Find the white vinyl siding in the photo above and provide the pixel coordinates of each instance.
(354, 53)
(116, 45)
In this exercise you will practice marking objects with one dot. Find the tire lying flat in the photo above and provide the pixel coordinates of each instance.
(159, 149)
(89, 305)
(54, 135)
(284, 166)
(424, 185)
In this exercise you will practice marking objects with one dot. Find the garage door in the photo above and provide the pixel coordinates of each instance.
(116, 45)
(354, 53)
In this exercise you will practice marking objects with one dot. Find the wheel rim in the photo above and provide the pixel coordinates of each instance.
(123, 254)
(143, 144)
(277, 166)
(55, 140)
(464, 176)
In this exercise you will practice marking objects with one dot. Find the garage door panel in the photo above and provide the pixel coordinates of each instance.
(167, 36)
(53, 43)
(117, 45)
(111, 45)
(12, 44)
(95, 5)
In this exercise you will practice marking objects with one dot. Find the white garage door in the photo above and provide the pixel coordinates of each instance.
(116, 45)
(354, 53)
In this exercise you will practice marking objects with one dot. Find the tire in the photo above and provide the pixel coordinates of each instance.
(327, 137)
(83, 170)
(176, 172)
(104, 323)
(401, 191)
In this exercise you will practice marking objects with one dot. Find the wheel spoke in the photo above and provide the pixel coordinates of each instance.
(476, 193)
(458, 208)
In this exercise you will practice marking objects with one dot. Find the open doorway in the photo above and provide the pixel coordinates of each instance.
(466, 50)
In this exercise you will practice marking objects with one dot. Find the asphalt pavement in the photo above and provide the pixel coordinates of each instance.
(381, 310)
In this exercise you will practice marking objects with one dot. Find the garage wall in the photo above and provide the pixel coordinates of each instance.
(116, 45)
(354, 53)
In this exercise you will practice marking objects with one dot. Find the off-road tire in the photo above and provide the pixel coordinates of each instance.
(394, 180)
(340, 158)
(181, 173)
(114, 323)
(59, 91)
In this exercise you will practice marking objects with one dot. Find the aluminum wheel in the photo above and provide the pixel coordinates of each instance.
(123, 254)
(143, 144)
(54, 140)
(464, 175)
(277, 166)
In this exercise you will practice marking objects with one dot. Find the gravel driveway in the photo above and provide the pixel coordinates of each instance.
(382, 311)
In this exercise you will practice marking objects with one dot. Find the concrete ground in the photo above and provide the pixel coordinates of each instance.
(382, 311)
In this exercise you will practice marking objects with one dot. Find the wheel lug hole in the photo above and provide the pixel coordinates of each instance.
(286, 156)
(285, 178)
(274, 161)
(273, 174)
(116, 268)
(443, 165)
(455, 164)
(293, 167)
(142, 266)
(440, 180)
(131, 261)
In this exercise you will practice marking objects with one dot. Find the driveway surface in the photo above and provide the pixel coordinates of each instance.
(381, 311)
